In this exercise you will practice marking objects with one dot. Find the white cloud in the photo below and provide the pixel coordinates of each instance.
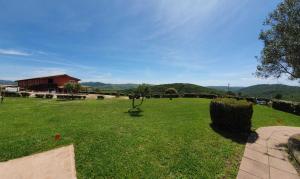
(13, 52)
(47, 72)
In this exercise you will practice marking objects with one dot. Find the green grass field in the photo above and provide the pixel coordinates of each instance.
(171, 139)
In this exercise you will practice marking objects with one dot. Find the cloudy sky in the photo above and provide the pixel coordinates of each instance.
(196, 41)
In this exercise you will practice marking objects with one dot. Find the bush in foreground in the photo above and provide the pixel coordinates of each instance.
(231, 114)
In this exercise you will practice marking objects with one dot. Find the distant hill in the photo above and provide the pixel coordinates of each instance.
(184, 88)
(107, 86)
(7, 82)
(225, 88)
(291, 93)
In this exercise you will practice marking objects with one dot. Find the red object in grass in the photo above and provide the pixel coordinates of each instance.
(57, 137)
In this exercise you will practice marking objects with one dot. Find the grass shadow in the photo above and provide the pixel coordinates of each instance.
(238, 137)
(136, 112)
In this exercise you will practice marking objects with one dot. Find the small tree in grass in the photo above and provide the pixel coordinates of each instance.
(140, 92)
(171, 92)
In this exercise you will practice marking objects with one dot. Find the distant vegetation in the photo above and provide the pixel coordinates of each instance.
(291, 93)
(107, 86)
(7, 82)
(182, 88)
(225, 88)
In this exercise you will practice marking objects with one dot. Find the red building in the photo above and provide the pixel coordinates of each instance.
(48, 83)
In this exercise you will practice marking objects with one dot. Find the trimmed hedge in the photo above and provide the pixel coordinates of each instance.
(100, 97)
(190, 95)
(69, 97)
(11, 94)
(156, 96)
(208, 96)
(170, 96)
(49, 96)
(231, 114)
(286, 106)
(39, 95)
(25, 94)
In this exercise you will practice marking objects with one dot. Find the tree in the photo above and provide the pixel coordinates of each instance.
(281, 52)
(72, 87)
(77, 87)
(68, 87)
(278, 96)
(140, 92)
(171, 92)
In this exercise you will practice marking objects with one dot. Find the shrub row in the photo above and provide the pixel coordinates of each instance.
(186, 95)
(231, 114)
(70, 97)
(287, 106)
(47, 96)
(11, 94)
(39, 95)
(208, 96)
(170, 96)
(100, 97)
(136, 96)
(25, 94)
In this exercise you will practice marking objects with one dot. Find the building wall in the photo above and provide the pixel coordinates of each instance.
(42, 84)
(60, 81)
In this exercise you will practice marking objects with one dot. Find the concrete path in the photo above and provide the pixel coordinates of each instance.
(54, 164)
(266, 157)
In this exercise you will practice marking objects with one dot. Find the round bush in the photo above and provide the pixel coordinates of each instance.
(231, 114)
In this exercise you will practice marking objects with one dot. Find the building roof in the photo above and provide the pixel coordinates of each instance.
(49, 77)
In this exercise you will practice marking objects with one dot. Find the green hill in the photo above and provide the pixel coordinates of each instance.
(225, 88)
(183, 88)
(7, 82)
(291, 93)
(108, 86)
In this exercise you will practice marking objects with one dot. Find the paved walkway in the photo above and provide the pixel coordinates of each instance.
(54, 164)
(266, 157)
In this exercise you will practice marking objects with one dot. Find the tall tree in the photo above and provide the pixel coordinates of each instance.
(281, 52)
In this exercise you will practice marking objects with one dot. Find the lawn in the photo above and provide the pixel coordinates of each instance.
(171, 139)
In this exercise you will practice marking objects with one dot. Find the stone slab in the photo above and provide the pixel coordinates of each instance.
(267, 157)
(54, 164)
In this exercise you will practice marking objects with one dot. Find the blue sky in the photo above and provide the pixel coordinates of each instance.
(134, 41)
